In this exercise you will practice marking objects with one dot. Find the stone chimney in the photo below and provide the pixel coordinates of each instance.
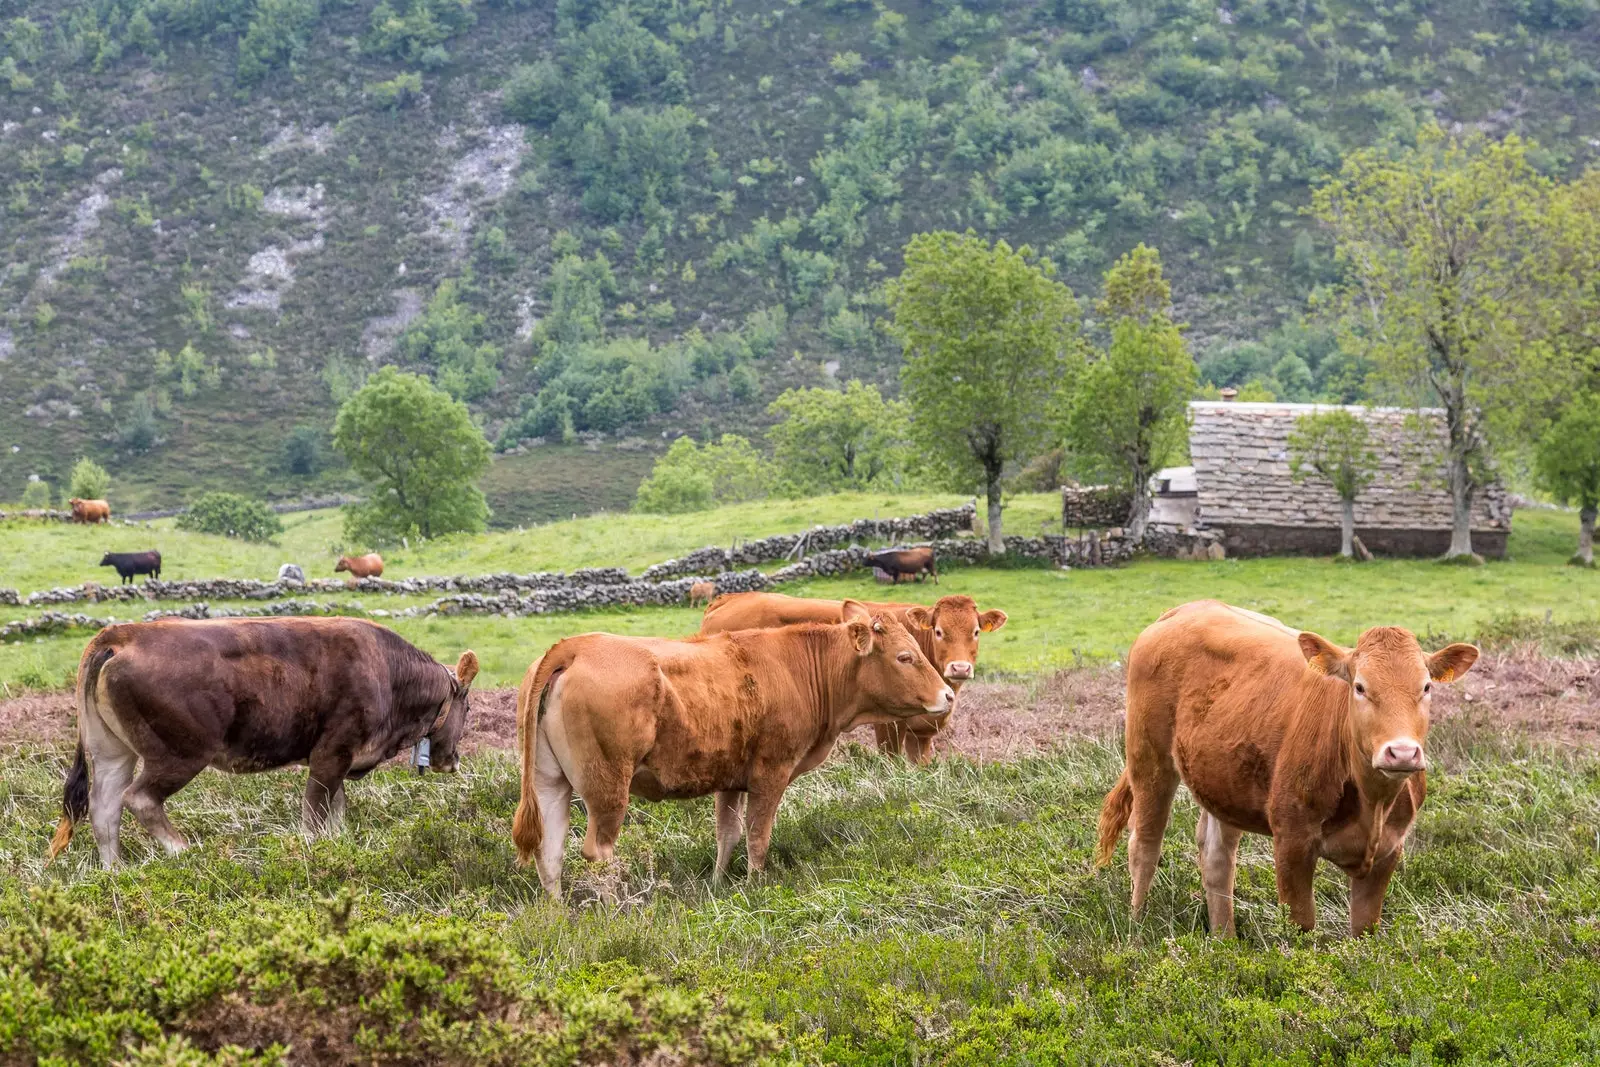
(1229, 393)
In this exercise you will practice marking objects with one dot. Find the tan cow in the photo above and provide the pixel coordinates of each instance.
(734, 714)
(1279, 732)
(950, 641)
(701, 593)
(368, 566)
(89, 511)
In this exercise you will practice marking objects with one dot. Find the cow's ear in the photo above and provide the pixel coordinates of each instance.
(990, 621)
(1451, 662)
(860, 635)
(1325, 657)
(466, 668)
(920, 618)
(853, 609)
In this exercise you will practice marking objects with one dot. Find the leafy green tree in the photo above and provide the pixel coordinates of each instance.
(448, 336)
(1336, 446)
(1456, 286)
(36, 494)
(89, 480)
(692, 478)
(231, 515)
(1567, 462)
(422, 455)
(302, 450)
(1130, 410)
(828, 439)
(990, 340)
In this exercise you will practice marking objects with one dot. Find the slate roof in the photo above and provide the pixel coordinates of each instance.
(1241, 462)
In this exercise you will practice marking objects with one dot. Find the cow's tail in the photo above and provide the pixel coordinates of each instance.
(75, 791)
(1114, 815)
(527, 828)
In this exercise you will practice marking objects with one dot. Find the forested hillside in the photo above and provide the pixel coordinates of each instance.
(605, 222)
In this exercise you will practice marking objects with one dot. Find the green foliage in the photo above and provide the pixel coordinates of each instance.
(191, 369)
(448, 339)
(302, 451)
(990, 342)
(1567, 459)
(415, 30)
(231, 515)
(277, 34)
(829, 439)
(421, 455)
(36, 494)
(89, 480)
(136, 431)
(400, 91)
(1336, 446)
(692, 478)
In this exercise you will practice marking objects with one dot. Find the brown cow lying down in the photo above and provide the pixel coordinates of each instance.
(1278, 732)
(950, 641)
(245, 695)
(734, 714)
(368, 566)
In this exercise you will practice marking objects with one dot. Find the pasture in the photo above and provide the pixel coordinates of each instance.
(941, 915)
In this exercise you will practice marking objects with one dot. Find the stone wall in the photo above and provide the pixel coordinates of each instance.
(1096, 506)
(1244, 540)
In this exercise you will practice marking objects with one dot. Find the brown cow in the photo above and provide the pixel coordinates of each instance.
(368, 566)
(245, 695)
(912, 562)
(1279, 732)
(701, 593)
(950, 641)
(89, 511)
(609, 716)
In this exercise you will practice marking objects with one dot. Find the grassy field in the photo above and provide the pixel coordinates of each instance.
(1057, 617)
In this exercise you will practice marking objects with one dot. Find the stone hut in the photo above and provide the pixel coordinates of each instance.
(1245, 493)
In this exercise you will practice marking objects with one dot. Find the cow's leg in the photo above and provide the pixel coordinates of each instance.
(888, 736)
(1153, 791)
(1368, 891)
(112, 764)
(328, 766)
(553, 794)
(336, 808)
(918, 747)
(605, 794)
(148, 794)
(760, 814)
(1219, 864)
(1295, 859)
(730, 827)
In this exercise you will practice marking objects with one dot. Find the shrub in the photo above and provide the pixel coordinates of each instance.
(36, 494)
(137, 431)
(302, 451)
(398, 92)
(89, 480)
(231, 515)
(691, 478)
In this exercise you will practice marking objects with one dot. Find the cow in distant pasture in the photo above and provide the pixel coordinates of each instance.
(129, 564)
(246, 695)
(898, 562)
(89, 511)
(1279, 732)
(701, 593)
(291, 572)
(368, 566)
(738, 715)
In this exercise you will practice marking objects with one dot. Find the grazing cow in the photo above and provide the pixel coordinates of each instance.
(90, 511)
(129, 564)
(246, 695)
(1279, 732)
(898, 562)
(739, 713)
(949, 641)
(701, 593)
(368, 566)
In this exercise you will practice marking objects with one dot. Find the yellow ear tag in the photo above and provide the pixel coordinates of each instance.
(1317, 666)
(1449, 675)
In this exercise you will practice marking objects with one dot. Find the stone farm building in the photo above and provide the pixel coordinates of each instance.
(1242, 490)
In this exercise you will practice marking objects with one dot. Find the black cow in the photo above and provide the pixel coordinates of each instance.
(129, 564)
(245, 695)
(903, 561)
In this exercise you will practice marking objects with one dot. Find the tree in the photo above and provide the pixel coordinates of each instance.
(691, 478)
(89, 480)
(231, 515)
(1567, 463)
(1461, 271)
(829, 439)
(1336, 446)
(990, 342)
(423, 454)
(1130, 410)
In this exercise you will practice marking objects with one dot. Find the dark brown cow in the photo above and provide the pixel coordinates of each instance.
(734, 714)
(1276, 731)
(367, 566)
(89, 511)
(245, 695)
(906, 561)
(950, 641)
(128, 564)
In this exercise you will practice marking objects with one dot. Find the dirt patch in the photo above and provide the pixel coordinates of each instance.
(1512, 695)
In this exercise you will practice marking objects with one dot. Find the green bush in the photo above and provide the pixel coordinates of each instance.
(89, 480)
(401, 91)
(691, 478)
(231, 515)
(37, 494)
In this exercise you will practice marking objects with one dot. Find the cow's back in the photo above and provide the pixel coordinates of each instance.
(760, 611)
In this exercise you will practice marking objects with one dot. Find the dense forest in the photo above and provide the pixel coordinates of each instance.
(602, 224)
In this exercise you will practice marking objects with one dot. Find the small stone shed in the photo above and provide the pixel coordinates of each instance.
(1245, 493)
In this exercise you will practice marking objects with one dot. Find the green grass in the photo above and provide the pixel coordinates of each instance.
(944, 915)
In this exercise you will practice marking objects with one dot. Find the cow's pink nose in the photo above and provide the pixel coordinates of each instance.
(958, 668)
(1400, 756)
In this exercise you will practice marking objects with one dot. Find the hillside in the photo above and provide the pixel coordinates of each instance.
(219, 215)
